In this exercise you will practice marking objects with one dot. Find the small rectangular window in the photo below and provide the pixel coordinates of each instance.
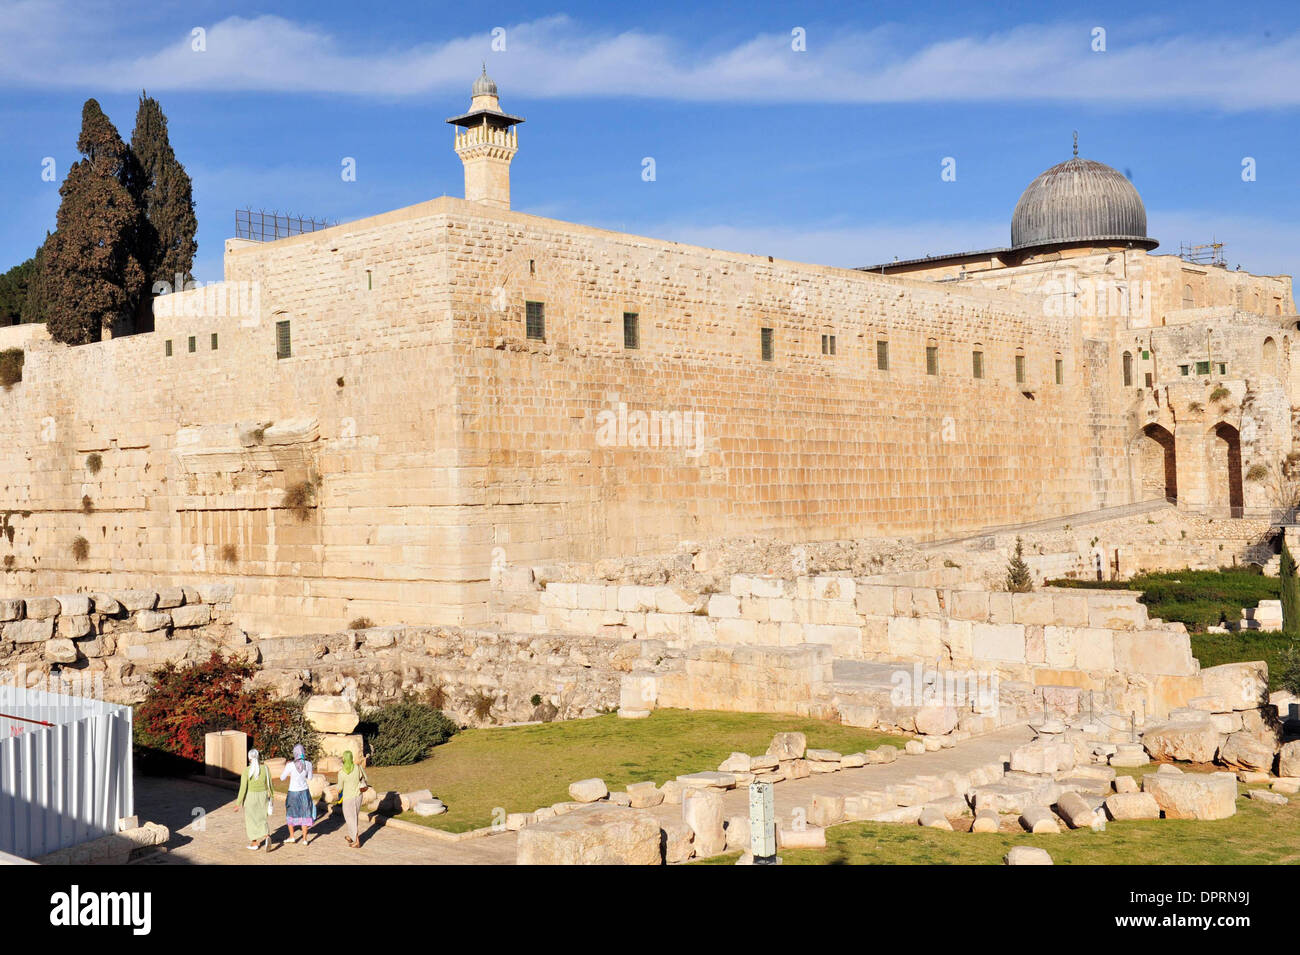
(1223, 368)
(1184, 369)
(932, 359)
(766, 338)
(1149, 379)
(535, 320)
(1202, 367)
(1020, 369)
(214, 341)
(824, 346)
(192, 345)
(832, 344)
(283, 342)
(1060, 371)
(631, 330)
(977, 364)
(167, 348)
(882, 355)
(828, 344)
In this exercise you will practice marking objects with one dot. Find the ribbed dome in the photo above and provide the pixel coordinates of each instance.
(1080, 201)
(483, 86)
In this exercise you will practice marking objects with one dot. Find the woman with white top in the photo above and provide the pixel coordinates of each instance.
(300, 809)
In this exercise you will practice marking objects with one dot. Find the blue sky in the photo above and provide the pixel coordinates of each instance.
(831, 154)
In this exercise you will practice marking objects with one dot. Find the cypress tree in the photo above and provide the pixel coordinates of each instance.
(36, 302)
(92, 277)
(1019, 579)
(165, 193)
(1290, 592)
(13, 291)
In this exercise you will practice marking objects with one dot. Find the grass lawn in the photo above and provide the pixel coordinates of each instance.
(1258, 834)
(1197, 598)
(1215, 648)
(522, 768)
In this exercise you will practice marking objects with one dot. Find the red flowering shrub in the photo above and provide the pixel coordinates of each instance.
(186, 702)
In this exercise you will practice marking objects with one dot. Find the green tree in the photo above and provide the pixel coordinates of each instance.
(1019, 579)
(92, 278)
(165, 193)
(1290, 592)
(13, 292)
(35, 306)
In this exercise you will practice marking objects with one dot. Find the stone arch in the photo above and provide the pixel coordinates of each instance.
(1155, 464)
(1126, 362)
(1268, 357)
(1223, 468)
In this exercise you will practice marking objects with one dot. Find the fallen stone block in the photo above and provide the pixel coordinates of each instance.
(738, 833)
(592, 837)
(1267, 796)
(1039, 820)
(986, 821)
(786, 746)
(678, 842)
(702, 811)
(1125, 784)
(1244, 750)
(1187, 741)
(1193, 795)
(1077, 813)
(644, 795)
(588, 790)
(826, 809)
(331, 714)
(931, 817)
(1027, 855)
(808, 837)
(1125, 806)
(708, 780)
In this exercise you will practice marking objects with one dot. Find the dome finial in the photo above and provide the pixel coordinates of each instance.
(1076, 143)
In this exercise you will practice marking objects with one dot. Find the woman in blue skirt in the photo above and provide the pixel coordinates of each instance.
(300, 809)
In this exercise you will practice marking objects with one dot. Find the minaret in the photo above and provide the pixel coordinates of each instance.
(486, 143)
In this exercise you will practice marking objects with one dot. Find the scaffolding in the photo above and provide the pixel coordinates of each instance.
(1211, 253)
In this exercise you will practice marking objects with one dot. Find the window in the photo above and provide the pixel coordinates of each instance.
(1128, 369)
(214, 341)
(882, 355)
(535, 320)
(631, 330)
(766, 338)
(1020, 369)
(828, 344)
(1188, 300)
(1060, 371)
(192, 345)
(977, 364)
(932, 359)
(1202, 367)
(532, 266)
(1184, 369)
(1149, 379)
(167, 348)
(1223, 368)
(283, 344)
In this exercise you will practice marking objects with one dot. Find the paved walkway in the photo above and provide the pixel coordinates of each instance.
(206, 830)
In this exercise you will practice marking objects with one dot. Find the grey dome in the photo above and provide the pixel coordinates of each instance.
(1080, 201)
(483, 86)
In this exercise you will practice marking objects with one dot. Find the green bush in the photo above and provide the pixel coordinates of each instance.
(1196, 598)
(11, 367)
(402, 733)
(1289, 666)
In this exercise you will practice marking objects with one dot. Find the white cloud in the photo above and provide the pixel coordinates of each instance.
(48, 44)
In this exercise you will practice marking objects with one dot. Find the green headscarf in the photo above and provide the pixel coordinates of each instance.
(348, 765)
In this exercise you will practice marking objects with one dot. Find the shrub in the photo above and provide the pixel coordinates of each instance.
(80, 548)
(183, 703)
(229, 553)
(87, 505)
(1219, 393)
(1019, 579)
(300, 498)
(536, 699)
(1256, 472)
(402, 733)
(9, 561)
(94, 462)
(436, 696)
(11, 367)
(481, 704)
(361, 623)
(1290, 670)
(1195, 407)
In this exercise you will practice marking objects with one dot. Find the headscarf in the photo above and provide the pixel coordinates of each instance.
(254, 767)
(299, 754)
(348, 765)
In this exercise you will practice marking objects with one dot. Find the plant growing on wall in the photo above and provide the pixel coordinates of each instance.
(80, 548)
(1019, 579)
(94, 462)
(11, 367)
(1290, 592)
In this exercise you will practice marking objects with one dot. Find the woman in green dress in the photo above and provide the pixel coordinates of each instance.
(256, 800)
(352, 782)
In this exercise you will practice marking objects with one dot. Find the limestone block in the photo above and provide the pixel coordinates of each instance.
(970, 605)
(1000, 642)
(886, 752)
(1027, 855)
(931, 817)
(1265, 796)
(135, 600)
(170, 597)
(826, 809)
(678, 841)
(708, 780)
(644, 795)
(331, 714)
(1075, 810)
(735, 763)
(216, 592)
(737, 833)
(42, 608)
(60, 650)
(1032, 608)
(78, 604)
(11, 609)
(225, 754)
(806, 837)
(1242, 686)
(29, 631)
(1193, 795)
(1158, 652)
(1288, 759)
(788, 746)
(1244, 750)
(702, 811)
(1094, 649)
(612, 836)
(986, 820)
(853, 760)
(73, 627)
(191, 615)
(1125, 784)
(913, 638)
(875, 600)
(1039, 820)
(1116, 611)
(936, 720)
(336, 744)
(914, 747)
(588, 790)
(1193, 742)
(635, 599)
(1070, 609)
(1123, 806)
(148, 621)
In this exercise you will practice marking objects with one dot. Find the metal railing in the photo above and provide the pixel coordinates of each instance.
(264, 226)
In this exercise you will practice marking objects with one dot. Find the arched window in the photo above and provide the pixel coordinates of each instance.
(1268, 363)
(977, 361)
(1188, 300)
(1128, 369)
